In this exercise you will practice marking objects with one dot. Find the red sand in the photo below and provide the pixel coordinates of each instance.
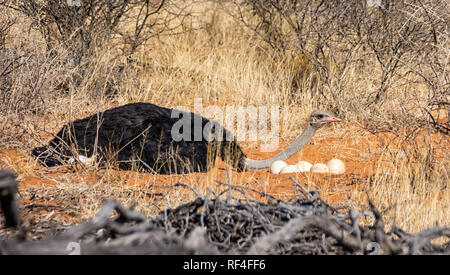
(360, 155)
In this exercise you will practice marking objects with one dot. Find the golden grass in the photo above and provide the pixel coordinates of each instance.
(225, 65)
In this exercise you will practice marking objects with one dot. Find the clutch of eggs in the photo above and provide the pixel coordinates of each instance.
(334, 166)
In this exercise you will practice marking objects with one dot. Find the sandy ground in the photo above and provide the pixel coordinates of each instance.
(68, 195)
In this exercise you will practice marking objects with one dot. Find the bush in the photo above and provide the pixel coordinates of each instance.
(403, 37)
(81, 26)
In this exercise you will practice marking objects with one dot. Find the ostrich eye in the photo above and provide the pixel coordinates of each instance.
(320, 116)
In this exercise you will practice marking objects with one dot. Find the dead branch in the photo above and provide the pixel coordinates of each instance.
(8, 190)
(235, 224)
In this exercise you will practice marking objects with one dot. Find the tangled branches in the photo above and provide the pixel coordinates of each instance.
(237, 225)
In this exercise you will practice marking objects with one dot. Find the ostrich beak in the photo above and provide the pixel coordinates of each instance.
(332, 119)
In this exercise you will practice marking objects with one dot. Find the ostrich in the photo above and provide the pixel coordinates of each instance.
(138, 136)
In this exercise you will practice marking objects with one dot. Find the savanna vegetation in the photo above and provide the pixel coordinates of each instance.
(381, 66)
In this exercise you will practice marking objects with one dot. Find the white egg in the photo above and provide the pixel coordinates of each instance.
(276, 166)
(288, 169)
(336, 166)
(303, 166)
(319, 168)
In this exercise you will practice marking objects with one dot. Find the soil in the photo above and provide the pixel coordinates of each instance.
(362, 156)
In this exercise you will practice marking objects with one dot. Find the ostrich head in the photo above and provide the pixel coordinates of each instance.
(319, 118)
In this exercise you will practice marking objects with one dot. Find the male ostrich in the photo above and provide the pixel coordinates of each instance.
(138, 136)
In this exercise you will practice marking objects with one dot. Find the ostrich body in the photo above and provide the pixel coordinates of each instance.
(138, 136)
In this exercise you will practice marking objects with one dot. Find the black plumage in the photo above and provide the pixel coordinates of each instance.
(138, 136)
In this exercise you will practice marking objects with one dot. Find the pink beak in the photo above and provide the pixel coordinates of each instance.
(332, 119)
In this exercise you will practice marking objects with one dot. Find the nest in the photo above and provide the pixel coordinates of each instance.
(226, 223)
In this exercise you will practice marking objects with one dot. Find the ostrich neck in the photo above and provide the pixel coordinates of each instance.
(293, 148)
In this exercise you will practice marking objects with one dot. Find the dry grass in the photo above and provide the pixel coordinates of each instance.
(224, 64)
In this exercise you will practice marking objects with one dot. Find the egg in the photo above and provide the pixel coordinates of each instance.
(276, 166)
(288, 169)
(320, 168)
(336, 166)
(303, 166)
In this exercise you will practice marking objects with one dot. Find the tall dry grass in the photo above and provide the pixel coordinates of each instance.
(215, 57)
